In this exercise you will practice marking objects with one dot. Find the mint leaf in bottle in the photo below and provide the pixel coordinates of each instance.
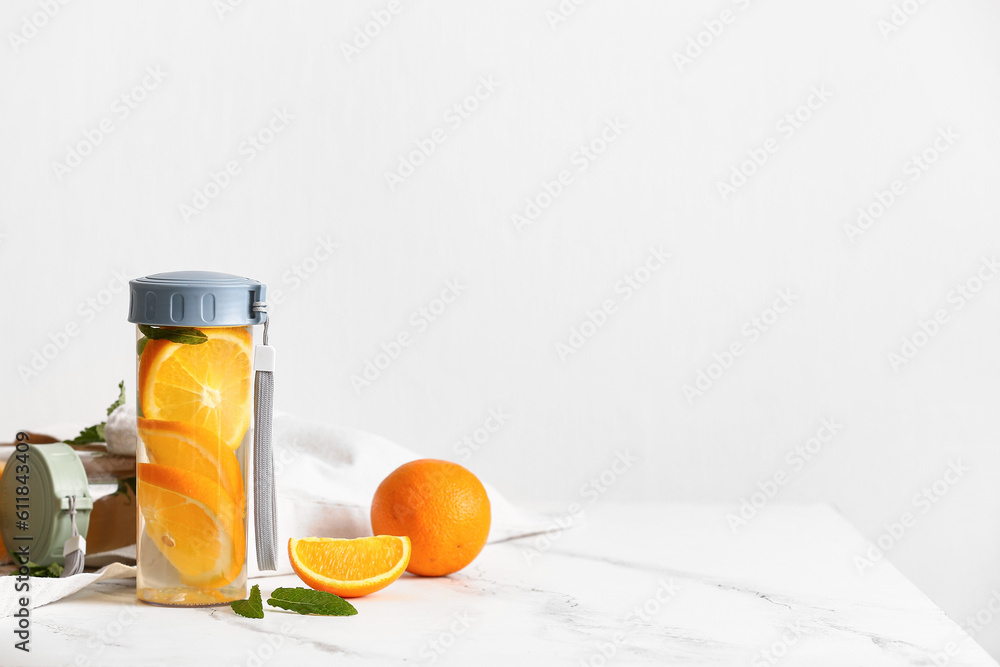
(183, 335)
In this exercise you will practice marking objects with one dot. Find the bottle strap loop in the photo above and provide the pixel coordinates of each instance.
(265, 512)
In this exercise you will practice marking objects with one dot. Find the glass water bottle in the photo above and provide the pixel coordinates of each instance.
(195, 400)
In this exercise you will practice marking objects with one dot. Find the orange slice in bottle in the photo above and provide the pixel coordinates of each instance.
(194, 524)
(207, 385)
(188, 447)
(349, 568)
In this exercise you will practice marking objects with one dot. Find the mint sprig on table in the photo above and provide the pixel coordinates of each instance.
(308, 601)
(95, 433)
(252, 607)
(53, 571)
(301, 600)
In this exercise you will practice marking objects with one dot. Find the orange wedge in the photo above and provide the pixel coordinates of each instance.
(188, 447)
(194, 524)
(349, 568)
(208, 384)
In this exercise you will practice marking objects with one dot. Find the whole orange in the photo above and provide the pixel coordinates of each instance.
(441, 507)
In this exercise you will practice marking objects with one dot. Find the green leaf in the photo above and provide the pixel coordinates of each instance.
(183, 335)
(88, 435)
(121, 398)
(53, 571)
(140, 345)
(252, 607)
(124, 485)
(308, 601)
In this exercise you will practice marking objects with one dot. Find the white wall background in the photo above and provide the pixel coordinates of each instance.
(62, 240)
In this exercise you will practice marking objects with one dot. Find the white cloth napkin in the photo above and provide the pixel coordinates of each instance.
(325, 477)
(44, 591)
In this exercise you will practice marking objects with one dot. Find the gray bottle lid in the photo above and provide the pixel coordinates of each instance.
(195, 299)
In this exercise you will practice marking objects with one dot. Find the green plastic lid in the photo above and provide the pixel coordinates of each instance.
(34, 501)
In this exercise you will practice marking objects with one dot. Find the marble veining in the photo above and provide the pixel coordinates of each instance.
(633, 584)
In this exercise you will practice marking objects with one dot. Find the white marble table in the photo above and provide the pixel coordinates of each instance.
(641, 584)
